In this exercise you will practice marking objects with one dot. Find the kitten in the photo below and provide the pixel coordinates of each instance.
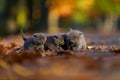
(35, 42)
(54, 42)
(77, 38)
(73, 40)
(29, 44)
(68, 45)
(40, 39)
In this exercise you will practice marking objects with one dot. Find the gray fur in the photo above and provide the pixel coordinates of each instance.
(23, 35)
(35, 42)
(73, 40)
(40, 39)
(78, 39)
(29, 44)
(54, 42)
(68, 45)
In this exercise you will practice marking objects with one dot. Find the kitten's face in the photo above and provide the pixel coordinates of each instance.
(40, 37)
(59, 39)
(29, 44)
(75, 36)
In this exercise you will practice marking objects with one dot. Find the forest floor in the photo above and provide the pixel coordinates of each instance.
(100, 61)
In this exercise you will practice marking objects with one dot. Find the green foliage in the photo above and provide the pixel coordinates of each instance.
(107, 6)
(79, 17)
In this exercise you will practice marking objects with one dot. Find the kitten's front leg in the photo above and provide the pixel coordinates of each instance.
(40, 47)
(60, 48)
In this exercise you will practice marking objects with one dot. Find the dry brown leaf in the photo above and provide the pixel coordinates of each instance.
(90, 47)
(22, 71)
(4, 64)
(116, 50)
(48, 53)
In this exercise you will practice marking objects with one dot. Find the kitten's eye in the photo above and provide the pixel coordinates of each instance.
(55, 36)
(35, 35)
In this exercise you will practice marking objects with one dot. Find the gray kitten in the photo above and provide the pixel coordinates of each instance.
(35, 42)
(68, 44)
(40, 39)
(54, 42)
(77, 38)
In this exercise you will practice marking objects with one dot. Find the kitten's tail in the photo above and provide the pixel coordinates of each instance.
(23, 35)
(70, 29)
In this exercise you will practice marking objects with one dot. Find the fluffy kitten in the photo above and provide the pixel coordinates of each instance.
(68, 45)
(54, 42)
(77, 39)
(35, 42)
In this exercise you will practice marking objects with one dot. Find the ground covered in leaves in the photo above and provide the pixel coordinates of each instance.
(100, 61)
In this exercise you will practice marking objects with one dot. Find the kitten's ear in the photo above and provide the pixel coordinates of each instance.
(23, 35)
(70, 29)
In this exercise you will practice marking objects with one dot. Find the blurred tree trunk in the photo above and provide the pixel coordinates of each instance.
(3, 5)
(53, 21)
(109, 24)
(11, 10)
(44, 15)
(39, 15)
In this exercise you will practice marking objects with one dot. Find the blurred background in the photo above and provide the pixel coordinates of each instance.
(53, 16)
